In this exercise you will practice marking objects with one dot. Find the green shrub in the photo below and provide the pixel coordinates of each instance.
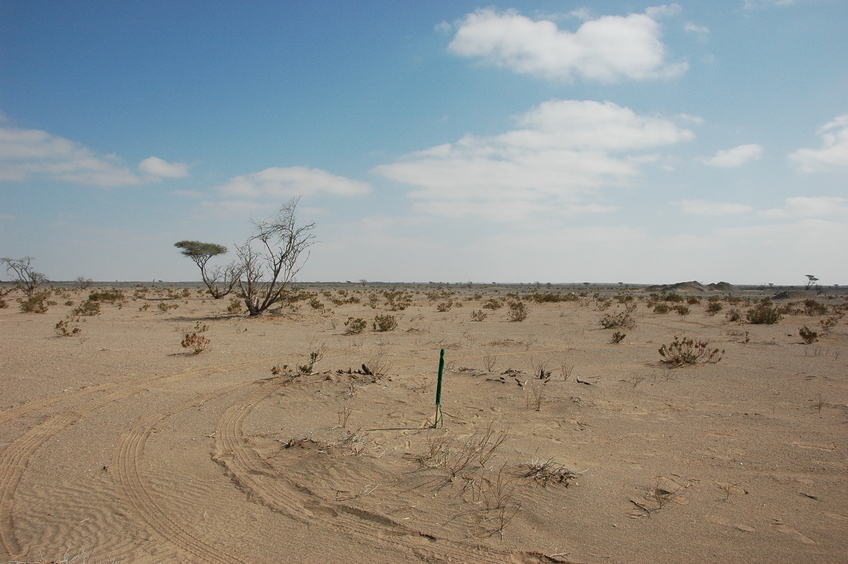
(618, 319)
(234, 307)
(88, 308)
(385, 323)
(355, 326)
(36, 303)
(763, 314)
(682, 309)
(106, 296)
(67, 328)
(661, 309)
(808, 335)
(714, 307)
(734, 314)
(812, 307)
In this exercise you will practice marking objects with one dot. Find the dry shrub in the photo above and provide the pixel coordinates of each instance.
(197, 343)
(689, 351)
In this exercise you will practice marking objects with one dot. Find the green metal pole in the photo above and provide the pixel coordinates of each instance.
(438, 421)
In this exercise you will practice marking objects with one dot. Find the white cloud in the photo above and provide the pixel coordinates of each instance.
(754, 4)
(833, 152)
(703, 207)
(154, 166)
(693, 28)
(25, 153)
(806, 207)
(735, 157)
(559, 156)
(664, 11)
(292, 181)
(606, 49)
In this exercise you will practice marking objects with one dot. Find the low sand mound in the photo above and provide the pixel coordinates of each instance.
(692, 286)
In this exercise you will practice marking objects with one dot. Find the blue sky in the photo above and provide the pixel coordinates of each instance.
(431, 140)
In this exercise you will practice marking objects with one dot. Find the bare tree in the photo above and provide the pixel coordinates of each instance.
(271, 258)
(219, 281)
(25, 276)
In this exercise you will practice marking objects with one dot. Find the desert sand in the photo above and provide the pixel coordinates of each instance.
(117, 444)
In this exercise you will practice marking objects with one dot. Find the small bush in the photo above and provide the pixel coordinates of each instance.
(315, 303)
(235, 307)
(197, 343)
(682, 309)
(618, 319)
(517, 311)
(812, 307)
(689, 351)
(106, 296)
(444, 306)
(763, 314)
(3, 304)
(36, 303)
(385, 323)
(552, 297)
(661, 309)
(714, 307)
(355, 326)
(493, 304)
(165, 307)
(88, 308)
(65, 328)
(810, 336)
(734, 314)
(617, 337)
(478, 315)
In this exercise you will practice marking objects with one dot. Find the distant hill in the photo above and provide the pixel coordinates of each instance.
(692, 286)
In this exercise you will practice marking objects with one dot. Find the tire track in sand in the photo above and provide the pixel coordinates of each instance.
(264, 485)
(15, 458)
(13, 463)
(138, 493)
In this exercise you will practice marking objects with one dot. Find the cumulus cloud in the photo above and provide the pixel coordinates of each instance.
(563, 151)
(833, 152)
(735, 157)
(809, 207)
(291, 181)
(703, 207)
(154, 166)
(606, 49)
(28, 153)
(25, 153)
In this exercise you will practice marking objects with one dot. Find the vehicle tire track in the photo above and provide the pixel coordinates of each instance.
(264, 485)
(15, 458)
(138, 493)
(13, 463)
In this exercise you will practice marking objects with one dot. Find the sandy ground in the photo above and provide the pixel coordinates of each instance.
(119, 445)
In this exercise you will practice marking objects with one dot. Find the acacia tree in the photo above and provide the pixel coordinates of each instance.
(271, 258)
(25, 276)
(220, 281)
